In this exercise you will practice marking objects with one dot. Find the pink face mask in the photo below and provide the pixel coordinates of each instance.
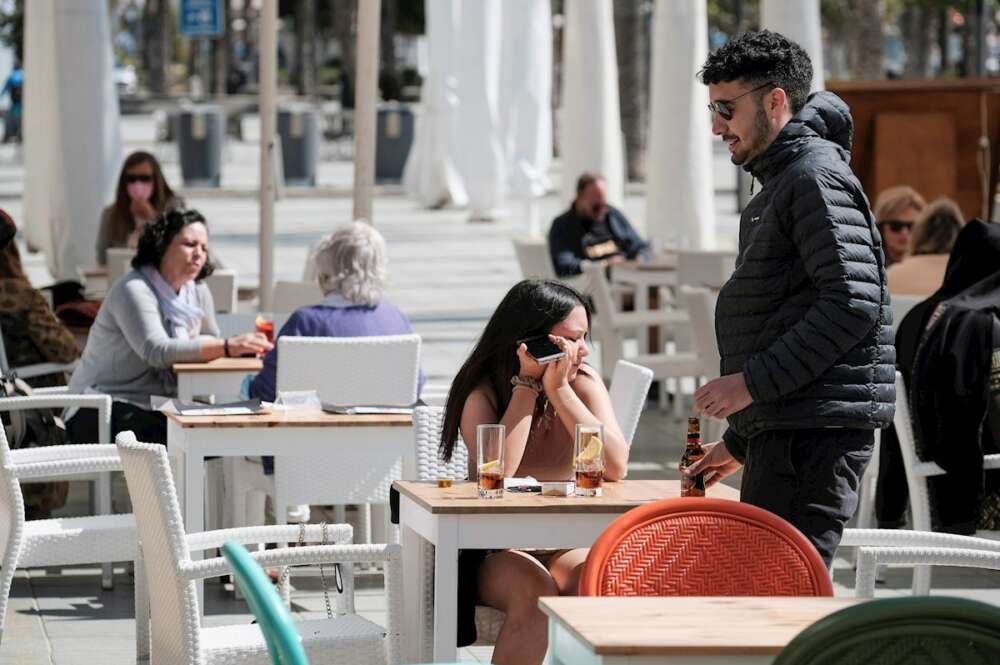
(140, 190)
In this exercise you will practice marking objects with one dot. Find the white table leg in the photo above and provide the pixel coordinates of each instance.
(194, 505)
(641, 302)
(417, 620)
(446, 590)
(103, 489)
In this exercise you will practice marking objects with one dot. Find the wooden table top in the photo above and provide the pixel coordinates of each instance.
(463, 498)
(222, 365)
(689, 626)
(294, 419)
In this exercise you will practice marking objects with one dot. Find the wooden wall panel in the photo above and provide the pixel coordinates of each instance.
(974, 105)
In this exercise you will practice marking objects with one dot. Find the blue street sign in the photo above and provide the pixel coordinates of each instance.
(201, 18)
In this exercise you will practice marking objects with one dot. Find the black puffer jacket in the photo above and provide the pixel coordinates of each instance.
(806, 315)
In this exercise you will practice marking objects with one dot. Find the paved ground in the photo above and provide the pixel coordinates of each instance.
(446, 273)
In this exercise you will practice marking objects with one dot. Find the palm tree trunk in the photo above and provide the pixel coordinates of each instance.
(221, 48)
(156, 52)
(344, 22)
(305, 27)
(630, 37)
(869, 40)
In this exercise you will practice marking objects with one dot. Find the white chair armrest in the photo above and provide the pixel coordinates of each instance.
(62, 461)
(278, 533)
(59, 401)
(926, 469)
(67, 452)
(52, 390)
(295, 556)
(910, 539)
(44, 369)
(991, 461)
(869, 558)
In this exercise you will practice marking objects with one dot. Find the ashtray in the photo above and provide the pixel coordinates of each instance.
(558, 488)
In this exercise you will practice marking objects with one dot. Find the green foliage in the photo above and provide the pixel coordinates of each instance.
(12, 29)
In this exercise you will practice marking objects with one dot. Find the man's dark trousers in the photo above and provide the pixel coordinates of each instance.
(809, 477)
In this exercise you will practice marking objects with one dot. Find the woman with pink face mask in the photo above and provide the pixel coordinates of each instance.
(142, 195)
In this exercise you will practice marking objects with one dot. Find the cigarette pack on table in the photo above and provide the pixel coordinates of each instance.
(558, 488)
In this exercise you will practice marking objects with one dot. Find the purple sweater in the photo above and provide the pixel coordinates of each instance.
(327, 321)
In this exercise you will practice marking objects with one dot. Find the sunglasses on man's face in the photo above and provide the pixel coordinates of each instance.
(896, 225)
(138, 177)
(724, 107)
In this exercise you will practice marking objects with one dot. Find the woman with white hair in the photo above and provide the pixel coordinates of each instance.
(350, 268)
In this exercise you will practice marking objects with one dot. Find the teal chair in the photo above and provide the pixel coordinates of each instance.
(273, 617)
(929, 630)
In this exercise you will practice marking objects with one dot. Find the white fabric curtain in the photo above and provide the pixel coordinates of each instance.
(431, 175)
(590, 136)
(526, 88)
(485, 127)
(799, 20)
(479, 152)
(72, 139)
(680, 197)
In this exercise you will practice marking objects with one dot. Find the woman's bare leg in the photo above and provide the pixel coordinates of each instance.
(512, 582)
(565, 568)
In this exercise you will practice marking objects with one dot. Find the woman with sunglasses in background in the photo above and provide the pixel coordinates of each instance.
(142, 195)
(896, 211)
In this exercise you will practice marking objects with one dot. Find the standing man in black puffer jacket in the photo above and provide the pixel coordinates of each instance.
(803, 325)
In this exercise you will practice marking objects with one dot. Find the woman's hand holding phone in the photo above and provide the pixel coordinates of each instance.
(557, 373)
(530, 368)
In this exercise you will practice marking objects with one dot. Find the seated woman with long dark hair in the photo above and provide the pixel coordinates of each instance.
(157, 315)
(540, 405)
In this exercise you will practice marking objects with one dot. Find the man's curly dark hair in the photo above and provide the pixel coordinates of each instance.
(158, 235)
(761, 57)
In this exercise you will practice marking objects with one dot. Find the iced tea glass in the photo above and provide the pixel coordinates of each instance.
(489, 460)
(589, 460)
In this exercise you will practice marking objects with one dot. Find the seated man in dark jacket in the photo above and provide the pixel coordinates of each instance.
(592, 230)
(803, 325)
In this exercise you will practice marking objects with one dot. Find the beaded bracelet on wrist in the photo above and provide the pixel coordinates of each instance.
(531, 384)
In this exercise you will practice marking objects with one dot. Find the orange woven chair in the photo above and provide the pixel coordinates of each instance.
(703, 547)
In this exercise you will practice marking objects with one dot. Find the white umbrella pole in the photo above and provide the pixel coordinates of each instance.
(268, 121)
(365, 101)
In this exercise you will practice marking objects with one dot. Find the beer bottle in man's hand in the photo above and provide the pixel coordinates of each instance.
(693, 485)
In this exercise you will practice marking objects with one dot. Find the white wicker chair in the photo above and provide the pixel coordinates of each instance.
(967, 555)
(58, 398)
(611, 325)
(346, 370)
(64, 541)
(536, 263)
(222, 285)
(289, 296)
(35, 369)
(711, 268)
(917, 474)
(629, 388)
(177, 636)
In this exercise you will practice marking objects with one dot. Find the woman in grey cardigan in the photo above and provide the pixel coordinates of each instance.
(157, 315)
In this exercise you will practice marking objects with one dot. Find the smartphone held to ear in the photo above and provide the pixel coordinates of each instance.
(543, 349)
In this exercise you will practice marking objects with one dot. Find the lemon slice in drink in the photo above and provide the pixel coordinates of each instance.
(592, 451)
(492, 466)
